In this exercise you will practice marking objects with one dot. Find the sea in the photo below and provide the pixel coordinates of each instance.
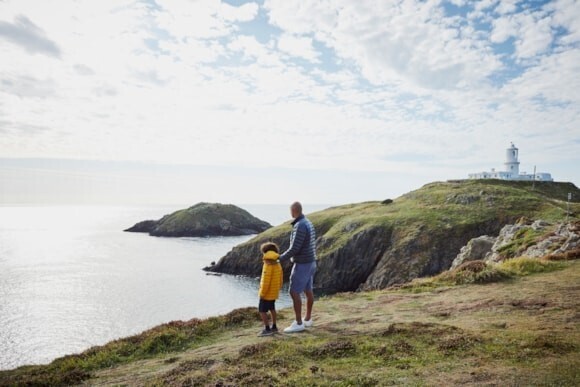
(70, 278)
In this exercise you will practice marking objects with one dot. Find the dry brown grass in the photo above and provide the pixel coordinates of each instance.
(565, 256)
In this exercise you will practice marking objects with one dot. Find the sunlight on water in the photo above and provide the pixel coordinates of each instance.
(70, 279)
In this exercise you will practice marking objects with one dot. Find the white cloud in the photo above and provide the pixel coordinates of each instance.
(485, 4)
(535, 35)
(243, 13)
(254, 50)
(566, 15)
(506, 6)
(27, 35)
(202, 19)
(503, 29)
(298, 46)
(411, 42)
(28, 87)
(554, 78)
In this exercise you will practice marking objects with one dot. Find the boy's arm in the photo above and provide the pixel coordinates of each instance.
(262, 282)
(266, 280)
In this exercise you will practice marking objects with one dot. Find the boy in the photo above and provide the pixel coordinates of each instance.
(270, 285)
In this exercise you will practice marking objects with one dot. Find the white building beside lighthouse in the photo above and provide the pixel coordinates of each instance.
(512, 170)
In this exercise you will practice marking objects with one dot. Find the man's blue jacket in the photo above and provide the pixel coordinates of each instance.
(302, 242)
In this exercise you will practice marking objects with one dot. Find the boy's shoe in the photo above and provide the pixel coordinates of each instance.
(265, 332)
(295, 327)
(274, 329)
(308, 323)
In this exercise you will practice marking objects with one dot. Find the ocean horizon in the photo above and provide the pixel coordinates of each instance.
(70, 278)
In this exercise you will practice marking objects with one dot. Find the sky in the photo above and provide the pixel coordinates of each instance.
(176, 102)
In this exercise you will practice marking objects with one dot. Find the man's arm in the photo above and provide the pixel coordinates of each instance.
(296, 243)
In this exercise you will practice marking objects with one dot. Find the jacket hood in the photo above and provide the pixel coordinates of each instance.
(271, 255)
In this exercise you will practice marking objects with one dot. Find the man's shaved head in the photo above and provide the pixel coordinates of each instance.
(296, 209)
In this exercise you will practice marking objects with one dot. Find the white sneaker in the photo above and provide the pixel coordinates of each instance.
(308, 323)
(295, 327)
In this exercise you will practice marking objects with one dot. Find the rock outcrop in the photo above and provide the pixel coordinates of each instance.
(525, 238)
(475, 250)
(204, 219)
(370, 245)
(535, 240)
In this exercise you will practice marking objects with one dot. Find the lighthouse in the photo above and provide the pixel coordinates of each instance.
(512, 170)
(512, 165)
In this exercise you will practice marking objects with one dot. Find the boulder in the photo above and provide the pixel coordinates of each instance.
(475, 250)
(204, 219)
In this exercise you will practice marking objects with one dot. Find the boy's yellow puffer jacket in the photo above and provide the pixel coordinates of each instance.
(272, 279)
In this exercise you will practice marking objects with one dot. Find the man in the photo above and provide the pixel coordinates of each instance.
(302, 250)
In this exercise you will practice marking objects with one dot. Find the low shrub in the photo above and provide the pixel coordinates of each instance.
(523, 266)
(473, 272)
(479, 272)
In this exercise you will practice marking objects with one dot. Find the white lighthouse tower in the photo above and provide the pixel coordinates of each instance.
(512, 165)
(512, 170)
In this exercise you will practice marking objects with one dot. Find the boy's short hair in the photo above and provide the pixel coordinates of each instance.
(269, 246)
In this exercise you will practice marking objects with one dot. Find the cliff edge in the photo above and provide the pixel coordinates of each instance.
(374, 245)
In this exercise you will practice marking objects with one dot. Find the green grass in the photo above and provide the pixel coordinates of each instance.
(172, 337)
(437, 207)
(403, 353)
(523, 266)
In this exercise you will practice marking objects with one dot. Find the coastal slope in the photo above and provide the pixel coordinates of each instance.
(374, 245)
(516, 325)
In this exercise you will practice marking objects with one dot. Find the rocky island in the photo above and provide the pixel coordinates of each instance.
(204, 219)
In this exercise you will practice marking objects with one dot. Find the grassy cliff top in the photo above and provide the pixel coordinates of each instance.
(440, 206)
(516, 328)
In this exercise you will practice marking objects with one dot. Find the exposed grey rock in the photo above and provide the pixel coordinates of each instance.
(557, 239)
(571, 233)
(476, 249)
(506, 235)
(540, 224)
